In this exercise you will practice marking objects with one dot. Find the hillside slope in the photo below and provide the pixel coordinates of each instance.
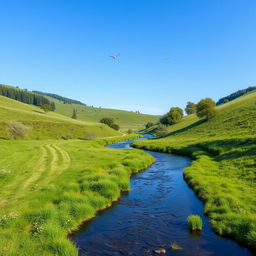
(92, 114)
(47, 125)
(223, 172)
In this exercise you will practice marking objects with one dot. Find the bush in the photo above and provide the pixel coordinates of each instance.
(18, 130)
(195, 223)
(161, 130)
(46, 107)
(149, 124)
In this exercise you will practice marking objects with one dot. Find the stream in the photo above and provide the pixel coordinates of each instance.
(152, 216)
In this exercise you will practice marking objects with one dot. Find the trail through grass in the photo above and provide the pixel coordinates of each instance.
(49, 187)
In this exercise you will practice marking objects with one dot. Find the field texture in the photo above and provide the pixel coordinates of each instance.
(47, 188)
(223, 172)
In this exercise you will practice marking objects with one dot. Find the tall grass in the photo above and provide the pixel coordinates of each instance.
(36, 222)
(195, 223)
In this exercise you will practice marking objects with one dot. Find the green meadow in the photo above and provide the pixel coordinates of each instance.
(223, 173)
(56, 176)
(54, 185)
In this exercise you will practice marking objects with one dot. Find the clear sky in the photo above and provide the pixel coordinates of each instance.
(171, 51)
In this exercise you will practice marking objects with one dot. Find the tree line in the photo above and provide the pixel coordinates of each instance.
(25, 96)
(60, 98)
(235, 95)
(204, 109)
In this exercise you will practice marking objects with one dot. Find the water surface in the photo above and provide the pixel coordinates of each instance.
(153, 215)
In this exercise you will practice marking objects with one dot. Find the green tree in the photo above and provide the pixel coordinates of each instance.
(53, 106)
(205, 108)
(110, 122)
(46, 107)
(190, 108)
(74, 114)
(172, 117)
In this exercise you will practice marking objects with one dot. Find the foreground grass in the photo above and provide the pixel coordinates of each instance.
(47, 188)
(223, 172)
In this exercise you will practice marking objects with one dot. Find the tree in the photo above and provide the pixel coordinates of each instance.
(110, 122)
(172, 117)
(74, 114)
(46, 107)
(205, 108)
(107, 120)
(53, 106)
(149, 124)
(190, 108)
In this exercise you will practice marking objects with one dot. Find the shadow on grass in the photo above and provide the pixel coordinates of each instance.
(40, 112)
(185, 128)
(231, 148)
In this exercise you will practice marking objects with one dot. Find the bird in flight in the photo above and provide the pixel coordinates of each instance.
(114, 57)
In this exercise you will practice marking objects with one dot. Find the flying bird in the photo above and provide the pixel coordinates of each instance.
(114, 57)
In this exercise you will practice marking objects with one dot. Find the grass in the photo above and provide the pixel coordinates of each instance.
(175, 246)
(48, 187)
(126, 119)
(47, 125)
(195, 223)
(223, 173)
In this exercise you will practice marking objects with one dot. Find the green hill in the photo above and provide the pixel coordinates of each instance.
(126, 119)
(43, 125)
(223, 172)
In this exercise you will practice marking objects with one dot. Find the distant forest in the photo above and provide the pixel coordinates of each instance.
(58, 97)
(24, 96)
(235, 95)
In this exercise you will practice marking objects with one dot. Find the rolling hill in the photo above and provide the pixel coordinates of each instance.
(47, 125)
(126, 119)
(223, 172)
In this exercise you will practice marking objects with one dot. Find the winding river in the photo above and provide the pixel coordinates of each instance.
(153, 215)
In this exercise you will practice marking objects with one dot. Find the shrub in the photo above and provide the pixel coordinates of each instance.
(46, 107)
(149, 124)
(195, 223)
(161, 130)
(18, 130)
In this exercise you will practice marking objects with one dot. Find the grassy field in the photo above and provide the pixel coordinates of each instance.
(48, 125)
(126, 119)
(48, 187)
(223, 172)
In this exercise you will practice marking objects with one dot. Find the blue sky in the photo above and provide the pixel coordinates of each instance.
(63, 47)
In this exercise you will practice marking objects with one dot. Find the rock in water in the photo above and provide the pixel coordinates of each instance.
(159, 251)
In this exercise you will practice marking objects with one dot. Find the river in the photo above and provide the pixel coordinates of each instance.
(152, 216)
